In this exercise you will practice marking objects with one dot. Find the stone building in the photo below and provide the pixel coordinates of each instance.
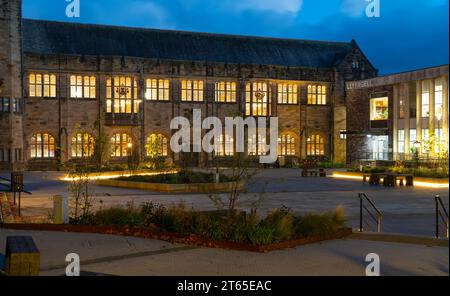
(63, 85)
(396, 115)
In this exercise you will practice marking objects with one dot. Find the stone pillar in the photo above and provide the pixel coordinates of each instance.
(419, 111)
(445, 110)
(407, 119)
(432, 118)
(395, 118)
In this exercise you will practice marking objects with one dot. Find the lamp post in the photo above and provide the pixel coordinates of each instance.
(438, 136)
(130, 156)
(416, 152)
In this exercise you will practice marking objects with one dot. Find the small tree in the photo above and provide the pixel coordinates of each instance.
(154, 148)
(80, 200)
(101, 146)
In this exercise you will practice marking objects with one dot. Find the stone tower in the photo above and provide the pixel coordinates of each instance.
(11, 99)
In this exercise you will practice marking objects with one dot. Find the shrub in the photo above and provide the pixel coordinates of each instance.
(279, 225)
(281, 221)
(183, 177)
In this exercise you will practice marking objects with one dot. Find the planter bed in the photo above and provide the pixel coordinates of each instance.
(436, 181)
(173, 188)
(177, 238)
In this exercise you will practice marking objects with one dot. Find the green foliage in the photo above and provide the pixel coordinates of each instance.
(183, 177)
(280, 225)
(317, 225)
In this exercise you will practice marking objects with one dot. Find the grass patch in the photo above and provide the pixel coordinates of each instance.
(183, 177)
(280, 225)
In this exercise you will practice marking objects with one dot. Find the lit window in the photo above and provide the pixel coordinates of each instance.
(121, 145)
(343, 135)
(401, 141)
(225, 145)
(401, 108)
(157, 90)
(122, 95)
(425, 99)
(287, 93)
(156, 145)
(82, 87)
(439, 143)
(82, 145)
(438, 102)
(317, 95)
(257, 144)
(379, 109)
(4, 105)
(315, 145)
(257, 99)
(42, 85)
(425, 141)
(42, 145)
(192, 91)
(286, 145)
(412, 139)
(226, 92)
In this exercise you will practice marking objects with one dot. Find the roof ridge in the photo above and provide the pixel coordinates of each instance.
(206, 34)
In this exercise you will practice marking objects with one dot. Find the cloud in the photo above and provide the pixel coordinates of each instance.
(277, 6)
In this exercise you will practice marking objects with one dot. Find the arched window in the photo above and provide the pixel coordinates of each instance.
(315, 145)
(257, 144)
(156, 145)
(42, 146)
(121, 145)
(286, 145)
(225, 145)
(82, 145)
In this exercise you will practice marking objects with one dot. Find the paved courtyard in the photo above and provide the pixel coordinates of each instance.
(406, 210)
(117, 255)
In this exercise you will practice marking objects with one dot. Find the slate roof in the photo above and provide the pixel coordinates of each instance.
(49, 37)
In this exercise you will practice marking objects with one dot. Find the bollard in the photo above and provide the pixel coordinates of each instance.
(60, 209)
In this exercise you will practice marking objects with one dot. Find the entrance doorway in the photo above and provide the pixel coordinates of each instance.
(379, 147)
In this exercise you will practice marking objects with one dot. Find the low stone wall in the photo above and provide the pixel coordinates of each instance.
(357, 175)
(174, 188)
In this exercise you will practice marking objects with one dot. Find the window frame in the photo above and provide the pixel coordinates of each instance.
(192, 91)
(50, 145)
(373, 111)
(285, 147)
(315, 145)
(425, 94)
(224, 146)
(119, 104)
(52, 87)
(124, 140)
(80, 143)
(287, 93)
(264, 108)
(82, 86)
(230, 94)
(314, 96)
(158, 89)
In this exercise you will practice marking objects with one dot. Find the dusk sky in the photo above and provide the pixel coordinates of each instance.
(408, 35)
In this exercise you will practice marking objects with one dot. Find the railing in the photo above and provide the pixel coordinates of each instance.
(14, 190)
(442, 213)
(375, 214)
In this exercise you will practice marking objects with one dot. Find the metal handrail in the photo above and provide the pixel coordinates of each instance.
(376, 217)
(443, 214)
